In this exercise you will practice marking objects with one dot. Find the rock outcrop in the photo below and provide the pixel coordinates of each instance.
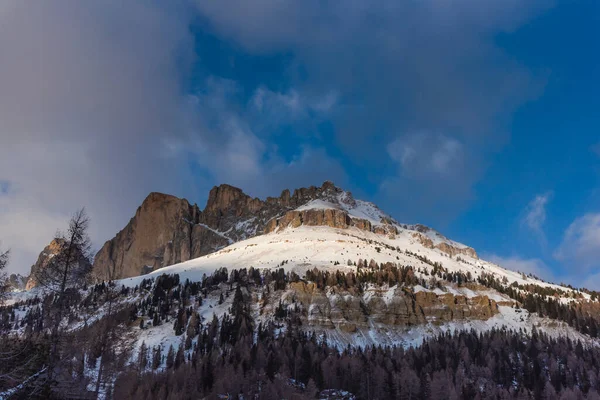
(52, 250)
(347, 310)
(17, 282)
(313, 217)
(444, 246)
(164, 231)
(167, 230)
(45, 256)
(327, 217)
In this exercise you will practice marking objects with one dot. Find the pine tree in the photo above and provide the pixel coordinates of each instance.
(179, 357)
(143, 357)
(156, 357)
(170, 357)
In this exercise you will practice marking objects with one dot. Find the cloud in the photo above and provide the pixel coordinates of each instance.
(429, 66)
(242, 157)
(580, 246)
(90, 92)
(424, 154)
(96, 116)
(291, 105)
(533, 266)
(433, 179)
(97, 108)
(535, 216)
(591, 282)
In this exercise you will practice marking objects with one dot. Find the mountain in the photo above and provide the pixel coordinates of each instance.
(43, 259)
(17, 282)
(326, 229)
(306, 292)
(167, 230)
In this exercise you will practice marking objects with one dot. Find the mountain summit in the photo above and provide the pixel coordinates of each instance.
(167, 230)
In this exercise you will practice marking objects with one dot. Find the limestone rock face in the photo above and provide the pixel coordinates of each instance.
(226, 202)
(45, 256)
(17, 282)
(325, 217)
(50, 251)
(347, 310)
(206, 241)
(159, 234)
(167, 230)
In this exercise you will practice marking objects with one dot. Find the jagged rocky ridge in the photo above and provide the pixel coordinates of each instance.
(167, 230)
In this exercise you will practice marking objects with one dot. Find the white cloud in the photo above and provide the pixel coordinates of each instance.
(580, 247)
(535, 216)
(422, 154)
(433, 180)
(284, 107)
(241, 157)
(534, 266)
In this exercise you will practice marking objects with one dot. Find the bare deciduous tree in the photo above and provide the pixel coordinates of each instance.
(4, 256)
(68, 268)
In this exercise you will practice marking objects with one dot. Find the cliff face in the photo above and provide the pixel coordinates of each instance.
(17, 282)
(326, 217)
(55, 247)
(349, 311)
(162, 232)
(167, 230)
(45, 256)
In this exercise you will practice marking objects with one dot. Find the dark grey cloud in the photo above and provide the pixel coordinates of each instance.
(94, 112)
(89, 93)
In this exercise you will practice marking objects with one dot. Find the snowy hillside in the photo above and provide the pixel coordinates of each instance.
(304, 248)
(334, 272)
(307, 247)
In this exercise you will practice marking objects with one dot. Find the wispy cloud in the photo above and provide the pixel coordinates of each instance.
(580, 246)
(535, 216)
(427, 154)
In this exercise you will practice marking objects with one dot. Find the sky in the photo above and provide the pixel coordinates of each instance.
(477, 118)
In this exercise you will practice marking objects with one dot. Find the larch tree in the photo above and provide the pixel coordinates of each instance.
(68, 269)
(4, 256)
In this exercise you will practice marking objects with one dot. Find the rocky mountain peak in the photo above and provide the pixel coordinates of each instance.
(225, 197)
(167, 230)
(43, 259)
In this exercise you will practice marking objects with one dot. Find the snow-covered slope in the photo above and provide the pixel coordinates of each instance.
(307, 247)
(327, 248)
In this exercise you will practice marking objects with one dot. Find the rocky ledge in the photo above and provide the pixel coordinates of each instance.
(349, 310)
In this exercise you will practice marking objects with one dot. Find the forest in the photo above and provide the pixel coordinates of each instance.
(77, 341)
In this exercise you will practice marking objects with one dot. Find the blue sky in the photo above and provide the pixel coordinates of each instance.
(478, 118)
